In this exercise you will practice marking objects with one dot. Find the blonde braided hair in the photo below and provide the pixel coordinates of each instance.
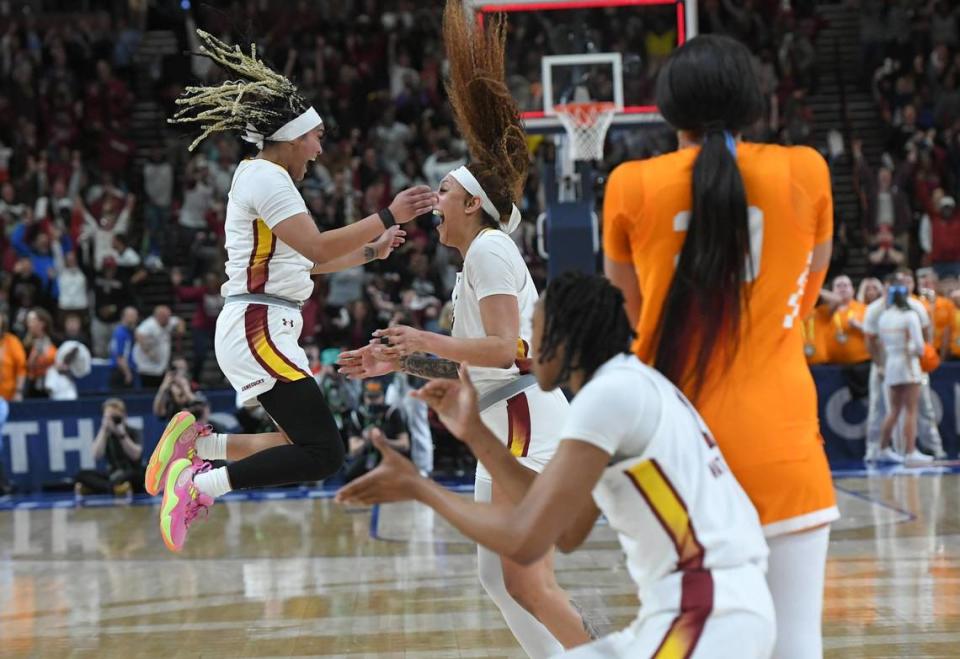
(262, 97)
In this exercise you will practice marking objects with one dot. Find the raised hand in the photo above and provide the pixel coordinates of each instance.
(455, 401)
(366, 362)
(388, 241)
(392, 480)
(413, 202)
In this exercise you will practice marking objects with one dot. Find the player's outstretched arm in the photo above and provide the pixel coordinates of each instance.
(500, 315)
(300, 232)
(381, 248)
(523, 533)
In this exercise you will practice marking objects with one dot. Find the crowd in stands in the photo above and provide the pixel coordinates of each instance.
(911, 55)
(113, 249)
(88, 236)
(834, 331)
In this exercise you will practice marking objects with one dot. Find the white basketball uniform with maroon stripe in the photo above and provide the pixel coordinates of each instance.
(257, 344)
(529, 423)
(692, 539)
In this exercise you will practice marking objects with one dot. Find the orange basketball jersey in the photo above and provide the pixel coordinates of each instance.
(762, 405)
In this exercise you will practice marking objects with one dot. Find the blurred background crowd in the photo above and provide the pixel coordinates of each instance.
(111, 233)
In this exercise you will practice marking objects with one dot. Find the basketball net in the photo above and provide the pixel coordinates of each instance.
(586, 125)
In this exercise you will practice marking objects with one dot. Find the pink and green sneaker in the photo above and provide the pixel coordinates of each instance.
(182, 502)
(179, 440)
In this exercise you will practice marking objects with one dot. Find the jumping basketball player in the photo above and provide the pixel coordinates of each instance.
(273, 246)
(493, 308)
(692, 538)
(721, 249)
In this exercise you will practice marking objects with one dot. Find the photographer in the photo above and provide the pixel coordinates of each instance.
(373, 420)
(123, 449)
(175, 392)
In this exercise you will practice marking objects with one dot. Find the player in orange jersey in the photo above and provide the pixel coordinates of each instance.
(721, 249)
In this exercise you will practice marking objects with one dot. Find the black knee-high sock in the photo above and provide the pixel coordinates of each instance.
(317, 451)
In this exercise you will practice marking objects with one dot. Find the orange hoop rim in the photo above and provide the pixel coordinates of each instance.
(585, 113)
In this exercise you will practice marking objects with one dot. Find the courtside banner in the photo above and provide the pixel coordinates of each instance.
(46, 442)
(843, 421)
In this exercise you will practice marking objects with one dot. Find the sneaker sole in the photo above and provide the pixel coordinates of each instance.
(170, 501)
(154, 479)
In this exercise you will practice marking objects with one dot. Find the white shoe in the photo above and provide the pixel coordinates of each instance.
(937, 455)
(889, 455)
(872, 454)
(917, 456)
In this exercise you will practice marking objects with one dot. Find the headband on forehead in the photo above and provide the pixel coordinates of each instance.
(470, 183)
(289, 131)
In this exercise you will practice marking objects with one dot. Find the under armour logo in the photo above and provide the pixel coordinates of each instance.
(286, 323)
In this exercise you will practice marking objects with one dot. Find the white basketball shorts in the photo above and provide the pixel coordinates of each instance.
(529, 424)
(256, 347)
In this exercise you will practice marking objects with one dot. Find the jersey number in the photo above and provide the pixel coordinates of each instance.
(751, 268)
(681, 222)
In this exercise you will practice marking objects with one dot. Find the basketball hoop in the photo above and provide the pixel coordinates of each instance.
(586, 125)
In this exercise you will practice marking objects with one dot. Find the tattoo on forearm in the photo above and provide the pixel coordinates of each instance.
(429, 367)
(369, 253)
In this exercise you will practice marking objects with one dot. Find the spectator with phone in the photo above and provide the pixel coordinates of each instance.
(122, 448)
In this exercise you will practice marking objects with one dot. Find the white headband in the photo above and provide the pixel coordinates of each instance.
(470, 183)
(289, 131)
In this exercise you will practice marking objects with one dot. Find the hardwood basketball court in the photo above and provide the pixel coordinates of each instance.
(290, 573)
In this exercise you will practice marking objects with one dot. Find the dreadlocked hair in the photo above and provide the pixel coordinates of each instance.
(261, 97)
(484, 111)
(585, 315)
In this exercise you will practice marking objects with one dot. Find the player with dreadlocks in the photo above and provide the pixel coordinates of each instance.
(273, 246)
(493, 306)
(633, 448)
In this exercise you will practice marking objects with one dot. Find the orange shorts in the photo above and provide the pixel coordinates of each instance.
(790, 495)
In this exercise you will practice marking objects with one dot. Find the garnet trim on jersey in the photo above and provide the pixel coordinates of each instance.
(670, 510)
(518, 425)
(696, 593)
(696, 604)
(264, 350)
(264, 244)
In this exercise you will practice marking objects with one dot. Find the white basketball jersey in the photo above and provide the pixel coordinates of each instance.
(667, 492)
(492, 266)
(261, 196)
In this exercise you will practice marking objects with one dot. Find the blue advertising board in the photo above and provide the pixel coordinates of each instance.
(46, 442)
(843, 420)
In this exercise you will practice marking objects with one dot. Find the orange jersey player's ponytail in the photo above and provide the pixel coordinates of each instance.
(708, 87)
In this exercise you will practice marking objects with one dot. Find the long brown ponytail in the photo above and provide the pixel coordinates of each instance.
(485, 112)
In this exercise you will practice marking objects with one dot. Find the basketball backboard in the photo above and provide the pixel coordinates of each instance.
(561, 51)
